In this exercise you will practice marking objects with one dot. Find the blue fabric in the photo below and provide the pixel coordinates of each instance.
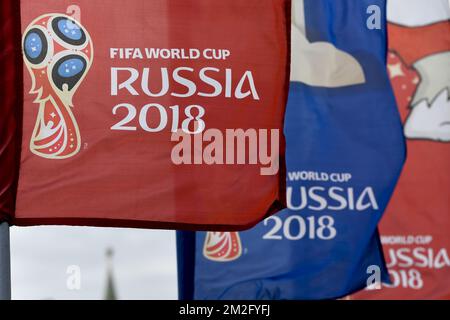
(351, 131)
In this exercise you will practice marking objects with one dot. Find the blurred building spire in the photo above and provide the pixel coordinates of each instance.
(110, 290)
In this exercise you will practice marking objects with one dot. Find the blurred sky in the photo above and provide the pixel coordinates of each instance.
(144, 262)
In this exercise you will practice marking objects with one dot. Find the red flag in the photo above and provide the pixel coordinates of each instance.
(414, 231)
(147, 113)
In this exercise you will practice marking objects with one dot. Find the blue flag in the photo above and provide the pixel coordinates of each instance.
(344, 153)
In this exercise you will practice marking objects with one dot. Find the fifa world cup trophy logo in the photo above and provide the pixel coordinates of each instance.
(58, 53)
(222, 246)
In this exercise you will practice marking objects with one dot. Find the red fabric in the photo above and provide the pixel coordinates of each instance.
(414, 230)
(10, 105)
(434, 38)
(75, 169)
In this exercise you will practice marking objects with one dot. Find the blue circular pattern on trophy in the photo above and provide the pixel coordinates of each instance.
(70, 29)
(71, 67)
(33, 45)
